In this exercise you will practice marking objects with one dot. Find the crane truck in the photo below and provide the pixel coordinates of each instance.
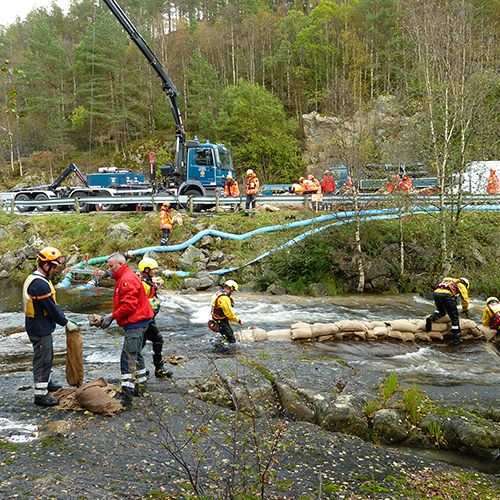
(199, 169)
(108, 182)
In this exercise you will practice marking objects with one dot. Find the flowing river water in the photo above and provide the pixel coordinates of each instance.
(183, 322)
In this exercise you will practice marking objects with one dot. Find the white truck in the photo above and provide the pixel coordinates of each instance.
(475, 178)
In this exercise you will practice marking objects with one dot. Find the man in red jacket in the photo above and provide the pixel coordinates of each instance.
(133, 312)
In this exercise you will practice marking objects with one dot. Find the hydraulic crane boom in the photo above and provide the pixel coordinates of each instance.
(167, 85)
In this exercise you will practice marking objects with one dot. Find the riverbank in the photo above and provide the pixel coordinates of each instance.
(174, 444)
(321, 264)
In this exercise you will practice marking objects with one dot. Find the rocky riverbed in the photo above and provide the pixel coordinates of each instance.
(229, 420)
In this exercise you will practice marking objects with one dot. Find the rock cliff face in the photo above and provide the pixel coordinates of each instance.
(384, 122)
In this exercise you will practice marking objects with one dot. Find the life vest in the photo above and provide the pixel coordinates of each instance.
(252, 184)
(28, 307)
(314, 186)
(153, 289)
(217, 313)
(449, 284)
(231, 188)
(493, 184)
(165, 219)
(495, 319)
(406, 184)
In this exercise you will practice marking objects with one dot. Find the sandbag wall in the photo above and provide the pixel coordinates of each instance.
(399, 329)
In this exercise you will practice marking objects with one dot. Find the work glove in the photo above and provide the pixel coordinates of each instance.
(466, 314)
(107, 320)
(72, 326)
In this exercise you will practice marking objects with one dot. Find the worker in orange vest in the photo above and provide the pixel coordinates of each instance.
(232, 189)
(314, 186)
(493, 183)
(165, 223)
(252, 191)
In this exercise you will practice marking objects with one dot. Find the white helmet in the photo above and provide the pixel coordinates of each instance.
(229, 175)
(231, 283)
(249, 171)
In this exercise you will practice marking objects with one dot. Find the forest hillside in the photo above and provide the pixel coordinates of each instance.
(76, 88)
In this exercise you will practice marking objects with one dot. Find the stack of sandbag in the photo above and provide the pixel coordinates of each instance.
(488, 333)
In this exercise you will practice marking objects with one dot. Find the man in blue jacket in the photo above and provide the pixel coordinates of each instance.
(42, 314)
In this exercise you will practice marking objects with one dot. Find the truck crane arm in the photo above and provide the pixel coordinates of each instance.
(67, 171)
(167, 85)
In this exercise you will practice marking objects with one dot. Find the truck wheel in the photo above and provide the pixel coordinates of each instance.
(24, 197)
(198, 207)
(42, 208)
(84, 207)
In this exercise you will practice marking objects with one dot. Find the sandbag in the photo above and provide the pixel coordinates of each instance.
(351, 326)
(403, 325)
(97, 397)
(259, 335)
(489, 333)
(375, 324)
(422, 335)
(279, 335)
(245, 335)
(441, 327)
(74, 358)
(381, 331)
(301, 331)
(319, 329)
(435, 335)
(360, 335)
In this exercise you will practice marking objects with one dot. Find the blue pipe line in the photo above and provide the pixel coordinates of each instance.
(346, 217)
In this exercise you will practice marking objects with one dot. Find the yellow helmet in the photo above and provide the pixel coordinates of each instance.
(231, 283)
(490, 300)
(50, 254)
(229, 175)
(310, 176)
(147, 262)
(249, 171)
(465, 281)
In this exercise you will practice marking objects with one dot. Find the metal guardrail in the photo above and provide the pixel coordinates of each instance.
(106, 202)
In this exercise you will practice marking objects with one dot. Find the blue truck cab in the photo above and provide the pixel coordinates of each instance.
(206, 169)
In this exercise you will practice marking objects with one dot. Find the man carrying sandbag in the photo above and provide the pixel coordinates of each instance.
(222, 312)
(133, 312)
(42, 314)
(446, 295)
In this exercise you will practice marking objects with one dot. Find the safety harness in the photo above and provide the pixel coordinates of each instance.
(217, 312)
(449, 285)
(495, 319)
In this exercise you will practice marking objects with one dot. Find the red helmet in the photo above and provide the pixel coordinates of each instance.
(51, 254)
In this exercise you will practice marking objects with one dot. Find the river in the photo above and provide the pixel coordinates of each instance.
(183, 319)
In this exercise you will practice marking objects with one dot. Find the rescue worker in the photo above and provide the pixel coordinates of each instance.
(232, 189)
(133, 312)
(305, 185)
(328, 184)
(148, 268)
(491, 313)
(296, 188)
(493, 182)
(251, 192)
(405, 184)
(222, 312)
(314, 186)
(165, 223)
(446, 295)
(42, 313)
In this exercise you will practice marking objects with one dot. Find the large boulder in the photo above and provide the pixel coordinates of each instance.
(9, 261)
(189, 257)
(120, 231)
(390, 425)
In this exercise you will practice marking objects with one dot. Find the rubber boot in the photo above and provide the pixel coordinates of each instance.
(53, 387)
(46, 400)
(160, 372)
(141, 389)
(245, 214)
(125, 396)
(253, 213)
(428, 325)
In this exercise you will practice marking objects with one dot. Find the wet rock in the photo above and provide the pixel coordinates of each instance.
(120, 231)
(9, 261)
(189, 257)
(390, 425)
(27, 252)
(206, 241)
(318, 290)
(345, 414)
(276, 290)
(189, 291)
